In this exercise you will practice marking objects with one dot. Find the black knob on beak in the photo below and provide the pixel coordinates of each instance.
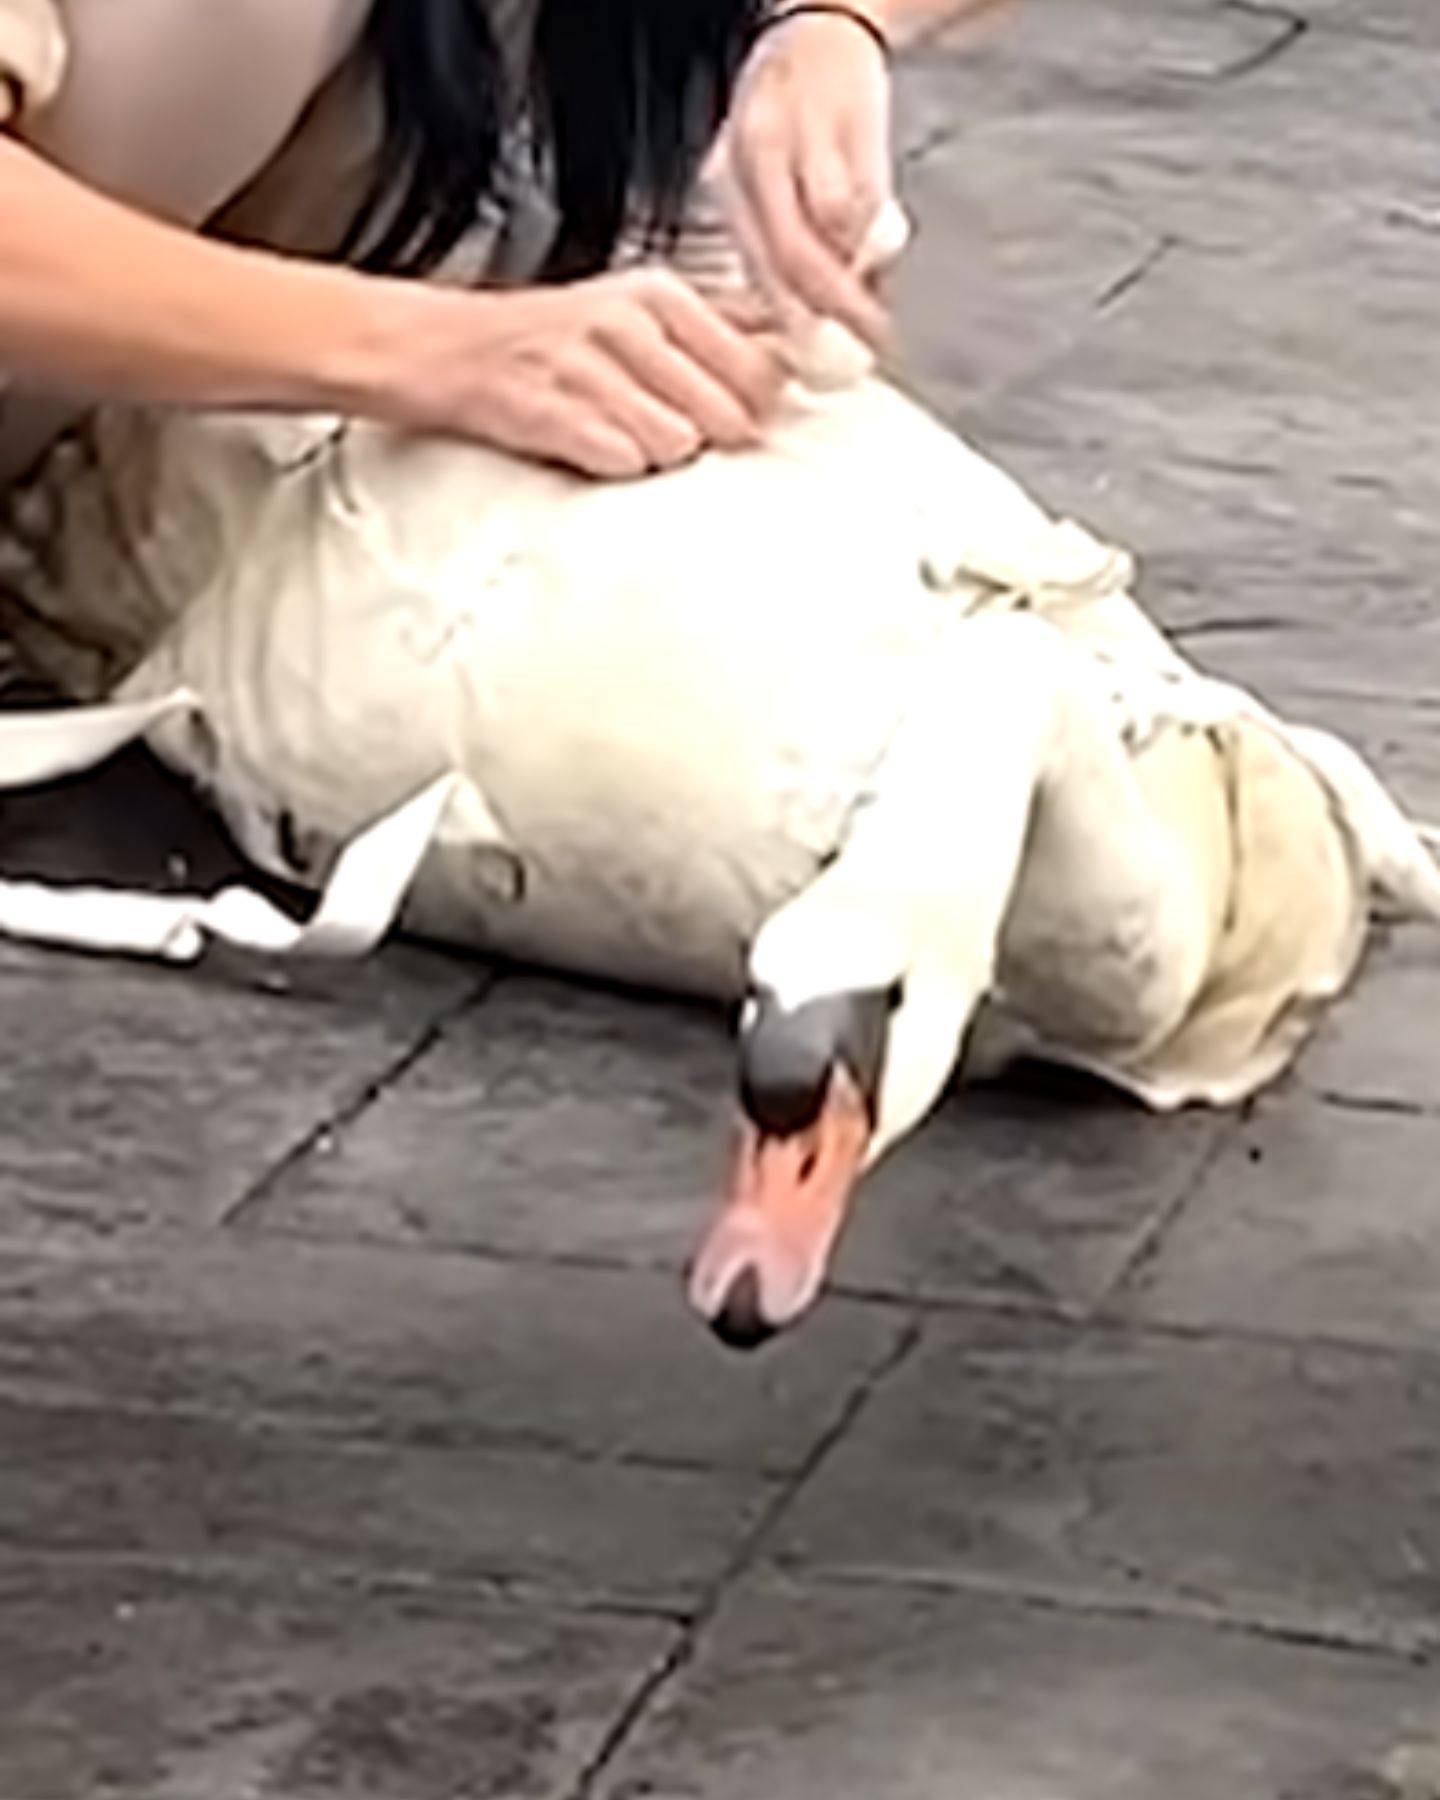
(787, 1055)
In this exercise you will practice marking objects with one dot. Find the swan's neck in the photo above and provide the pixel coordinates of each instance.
(925, 881)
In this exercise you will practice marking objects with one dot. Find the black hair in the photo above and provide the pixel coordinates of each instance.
(620, 102)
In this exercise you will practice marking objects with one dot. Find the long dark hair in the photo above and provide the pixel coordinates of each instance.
(621, 99)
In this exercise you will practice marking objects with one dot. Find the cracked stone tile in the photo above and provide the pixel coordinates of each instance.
(1314, 1221)
(804, 1693)
(159, 1685)
(1295, 1487)
(338, 1341)
(152, 1489)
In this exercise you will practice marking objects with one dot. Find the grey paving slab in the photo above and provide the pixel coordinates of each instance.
(1335, 118)
(1095, 55)
(1315, 1222)
(1313, 587)
(1380, 1048)
(1292, 1486)
(419, 1347)
(1326, 364)
(137, 1097)
(1049, 160)
(1028, 1193)
(1254, 569)
(1365, 92)
(557, 1122)
(125, 1685)
(815, 1695)
(163, 1490)
(1241, 412)
(1011, 278)
(1209, 124)
(1266, 431)
(1375, 685)
(1322, 1217)
(1407, 21)
(553, 1121)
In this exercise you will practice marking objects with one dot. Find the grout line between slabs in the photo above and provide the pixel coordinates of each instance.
(253, 1199)
(667, 1669)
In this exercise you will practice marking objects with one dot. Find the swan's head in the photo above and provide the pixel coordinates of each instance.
(845, 1044)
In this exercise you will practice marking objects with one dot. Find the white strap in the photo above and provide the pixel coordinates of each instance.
(360, 903)
(47, 743)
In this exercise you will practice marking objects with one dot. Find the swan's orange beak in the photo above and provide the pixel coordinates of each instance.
(764, 1259)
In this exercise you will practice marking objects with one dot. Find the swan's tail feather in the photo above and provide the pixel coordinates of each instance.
(1402, 858)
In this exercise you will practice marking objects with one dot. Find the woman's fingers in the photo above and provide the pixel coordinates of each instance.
(611, 376)
(689, 388)
(838, 197)
(797, 259)
(808, 166)
(660, 432)
(722, 346)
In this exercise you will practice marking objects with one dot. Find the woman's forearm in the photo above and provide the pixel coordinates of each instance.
(101, 301)
(612, 376)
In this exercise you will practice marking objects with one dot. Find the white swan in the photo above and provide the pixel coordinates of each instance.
(845, 728)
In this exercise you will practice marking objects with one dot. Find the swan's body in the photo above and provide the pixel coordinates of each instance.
(846, 717)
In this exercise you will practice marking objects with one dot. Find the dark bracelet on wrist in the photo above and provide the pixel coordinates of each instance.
(835, 9)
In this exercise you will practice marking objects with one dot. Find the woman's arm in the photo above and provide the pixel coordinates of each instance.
(97, 299)
(612, 376)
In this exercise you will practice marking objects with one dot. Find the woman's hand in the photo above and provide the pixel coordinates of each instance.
(805, 165)
(615, 376)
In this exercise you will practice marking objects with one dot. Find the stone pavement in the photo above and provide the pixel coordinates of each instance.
(355, 1444)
